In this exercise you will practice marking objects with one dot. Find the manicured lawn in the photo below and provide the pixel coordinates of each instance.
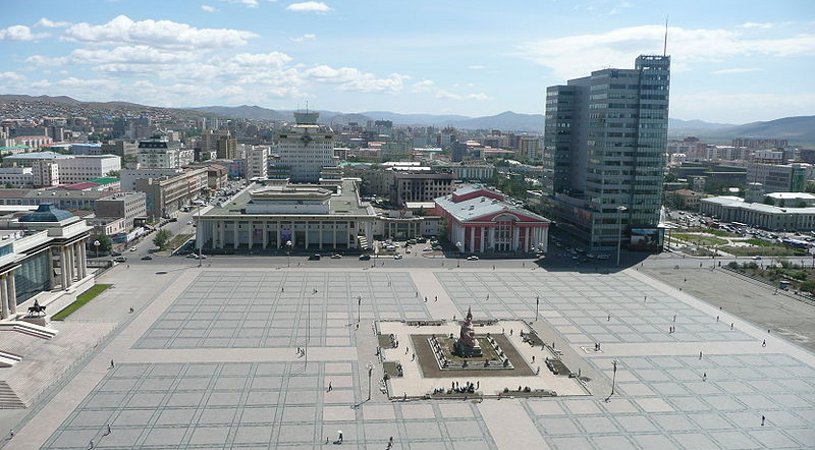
(701, 239)
(83, 298)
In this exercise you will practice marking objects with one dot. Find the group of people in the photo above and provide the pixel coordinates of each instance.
(458, 388)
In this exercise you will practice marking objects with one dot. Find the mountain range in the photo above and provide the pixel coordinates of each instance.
(798, 130)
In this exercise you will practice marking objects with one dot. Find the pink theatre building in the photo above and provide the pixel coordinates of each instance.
(479, 220)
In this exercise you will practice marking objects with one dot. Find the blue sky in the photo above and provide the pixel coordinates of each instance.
(732, 61)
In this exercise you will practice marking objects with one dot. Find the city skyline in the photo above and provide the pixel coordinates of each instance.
(739, 61)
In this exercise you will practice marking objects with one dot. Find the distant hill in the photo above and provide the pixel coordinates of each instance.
(508, 121)
(797, 130)
(679, 126)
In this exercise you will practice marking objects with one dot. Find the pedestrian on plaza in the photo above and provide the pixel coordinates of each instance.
(717, 319)
(339, 438)
(111, 364)
(764, 343)
(731, 325)
(762, 420)
(700, 356)
(330, 387)
(704, 376)
(437, 298)
(91, 444)
(108, 428)
(11, 434)
(608, 319)
(131, 310)
(533, 358)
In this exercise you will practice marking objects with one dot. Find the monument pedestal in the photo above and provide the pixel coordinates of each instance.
(41, 321)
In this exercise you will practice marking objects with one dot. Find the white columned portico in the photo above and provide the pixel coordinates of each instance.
(307, 234)
(516, 232)
(492, 238)
(12, 293)
(4, 310)
(235, 235)
(526, 239)
(481, 246)
(472, 239)
(279, 229)
(251, 234)
(265, 234)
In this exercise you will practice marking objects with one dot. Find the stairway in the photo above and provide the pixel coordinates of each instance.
(8, 398)
(29, 329)
(362, 242)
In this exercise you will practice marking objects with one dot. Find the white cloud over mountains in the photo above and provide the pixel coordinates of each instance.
(157, 33)
(19, 33)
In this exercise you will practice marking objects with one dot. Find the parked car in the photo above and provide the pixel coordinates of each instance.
(336, 256)
(120, 259)
(397, 256)
(314, 257)
(146, 258)
(365, 257)
(132, 249)
(472, 258)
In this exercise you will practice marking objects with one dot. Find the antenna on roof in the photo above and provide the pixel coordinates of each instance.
(665, 42)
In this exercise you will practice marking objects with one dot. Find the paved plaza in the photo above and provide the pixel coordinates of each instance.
(212, 362)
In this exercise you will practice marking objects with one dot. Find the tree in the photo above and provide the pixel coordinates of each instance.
(105, 244)
(162, 239)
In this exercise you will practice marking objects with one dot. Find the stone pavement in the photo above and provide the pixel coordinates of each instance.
(184, 379)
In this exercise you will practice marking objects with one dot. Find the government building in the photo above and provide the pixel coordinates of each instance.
(482, 221)
(326, 216)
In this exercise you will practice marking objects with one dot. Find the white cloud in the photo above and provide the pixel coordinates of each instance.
(136, 54)
(578, 55)
(305, 37)
(764, 25)
(249, 3)
(44, 22)
(19, 33)
(158, 33)
(309, 7)
(443, 94)
(44, 61)
(476, 67)
(736, 70)
(209, 9)
(351, 79)
(277, 59)
(10, 77)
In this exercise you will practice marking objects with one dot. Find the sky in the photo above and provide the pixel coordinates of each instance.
(732, 61)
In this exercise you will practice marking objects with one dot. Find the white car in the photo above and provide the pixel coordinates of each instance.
(397, 256)
(336, 256)
(472, 258)
(132, 249)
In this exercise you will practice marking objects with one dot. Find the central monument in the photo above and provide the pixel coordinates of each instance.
(467, 346)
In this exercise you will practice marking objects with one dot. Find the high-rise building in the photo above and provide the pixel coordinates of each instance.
(604, 146)
(306, 148)
(257, 161)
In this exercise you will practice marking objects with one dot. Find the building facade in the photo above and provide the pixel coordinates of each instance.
(125, 205)
(85, 167)
(735, 209)
(257, 162)
(482, 221)
(161, 154)
(41, 252)
(315, 217)
(419, 186)
(604, 149)
(167, 195)
(305, 148)
(780, 177)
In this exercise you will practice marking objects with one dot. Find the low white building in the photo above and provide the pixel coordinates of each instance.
(735, 209)
(84, 167)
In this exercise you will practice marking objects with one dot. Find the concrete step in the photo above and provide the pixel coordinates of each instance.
(8, 398)
(29, 329)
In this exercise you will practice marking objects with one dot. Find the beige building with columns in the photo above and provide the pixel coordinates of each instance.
(328, 216)
(42, 256)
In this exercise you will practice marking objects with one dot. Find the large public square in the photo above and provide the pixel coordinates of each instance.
(209, 359)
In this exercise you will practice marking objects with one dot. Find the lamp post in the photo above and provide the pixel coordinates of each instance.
(96, 244)
(308, 327)
(460, 248)
(613, 379)
(537, 307)
(199, 238)
(370, 375)
(288, 253)
(620, 210)
(359, 309)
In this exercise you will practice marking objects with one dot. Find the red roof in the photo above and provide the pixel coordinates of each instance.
(85, 185)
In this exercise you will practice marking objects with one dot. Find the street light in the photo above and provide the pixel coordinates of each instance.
(620, 210)
(537, 307)
(200, 238)
(359, 309)
(613, 379)
(370, 375)
(460, 251)
(96, 244)
(288, 253)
